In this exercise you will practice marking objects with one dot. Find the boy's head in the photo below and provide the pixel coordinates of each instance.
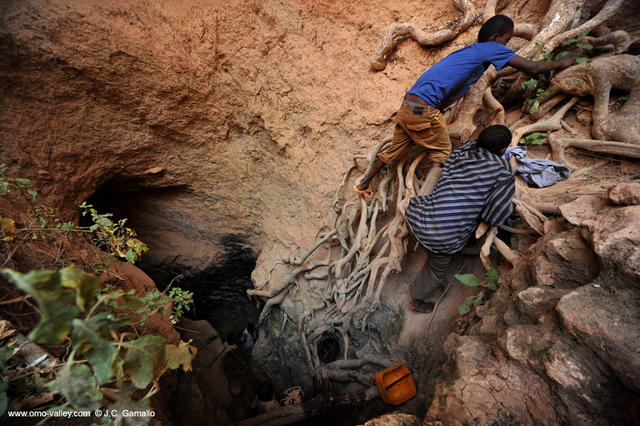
(498, 28)
(495, 139)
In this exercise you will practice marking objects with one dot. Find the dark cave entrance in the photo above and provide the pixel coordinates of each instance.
(219, 289)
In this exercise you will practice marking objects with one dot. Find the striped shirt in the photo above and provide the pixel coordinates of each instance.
(475, 185)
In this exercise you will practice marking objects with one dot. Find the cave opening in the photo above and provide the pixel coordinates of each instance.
(329, 348)
(219, 288)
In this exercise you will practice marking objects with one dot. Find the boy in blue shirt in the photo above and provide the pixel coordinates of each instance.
(419, 120)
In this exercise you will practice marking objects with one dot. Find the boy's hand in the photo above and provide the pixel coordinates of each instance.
(566, 62)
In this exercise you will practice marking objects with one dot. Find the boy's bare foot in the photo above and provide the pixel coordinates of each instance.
(367, 192)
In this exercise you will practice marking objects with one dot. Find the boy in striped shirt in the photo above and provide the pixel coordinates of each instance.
(476, 185)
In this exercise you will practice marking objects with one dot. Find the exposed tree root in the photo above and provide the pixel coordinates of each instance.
(397, 32)
(605, 13)
(548, 125)
(597, 77)
(371, 235)
(558, 146)
(620, 40)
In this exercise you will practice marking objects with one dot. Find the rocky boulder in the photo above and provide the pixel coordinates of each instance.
(607, 320)
(612, 231)
(626, 193)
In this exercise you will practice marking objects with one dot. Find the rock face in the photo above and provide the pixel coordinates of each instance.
(608, 321)
(613, 232)
(565, 349)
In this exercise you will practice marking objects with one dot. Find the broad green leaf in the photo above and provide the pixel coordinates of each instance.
(535, 106)
(536, 138)
(583, 46)
(477, 301)
(100, 353)
(582, 59)
(561, 55)
(569, 41)
(464, 309)
(33, 193)
(178, 355)
(4, 187)
(491, 276)
(145, 359)
(86, 285)
(78, 385)
(102, 322)
(529, 84)
(131, 256)
(468, 279)
(22, 182)
(55, 302)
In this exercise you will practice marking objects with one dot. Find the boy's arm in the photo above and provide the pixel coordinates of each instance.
(539, 67)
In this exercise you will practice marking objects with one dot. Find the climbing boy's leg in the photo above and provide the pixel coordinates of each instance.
(400, 145)
(428, 288)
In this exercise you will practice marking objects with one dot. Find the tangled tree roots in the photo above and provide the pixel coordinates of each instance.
(371, 235)
(597, 78)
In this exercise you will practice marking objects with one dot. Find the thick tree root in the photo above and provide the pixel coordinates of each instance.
(620, 40)
(597, 77)
(605, 13)
(397, 32)
(558, 146)
(548, 125)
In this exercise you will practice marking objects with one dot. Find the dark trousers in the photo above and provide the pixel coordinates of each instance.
(429, 286)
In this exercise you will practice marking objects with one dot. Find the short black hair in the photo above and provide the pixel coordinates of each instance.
(494, 138)
(499, 24)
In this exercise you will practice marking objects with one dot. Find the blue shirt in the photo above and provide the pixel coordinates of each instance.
(450, 78)
(475, 185)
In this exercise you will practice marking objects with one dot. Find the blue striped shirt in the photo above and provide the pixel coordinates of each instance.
(475, 185)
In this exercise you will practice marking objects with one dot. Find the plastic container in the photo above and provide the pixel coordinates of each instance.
(395, 384)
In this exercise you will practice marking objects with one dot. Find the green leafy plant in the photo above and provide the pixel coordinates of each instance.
(490, 282)
(9, 183)
(113, 236)
(178, 299)
(543, 51)
(578, 39)
(182, 301)
(578, 42)
(104, 352)
(535, 138)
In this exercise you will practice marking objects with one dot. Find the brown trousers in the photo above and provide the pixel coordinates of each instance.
(418, 125)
